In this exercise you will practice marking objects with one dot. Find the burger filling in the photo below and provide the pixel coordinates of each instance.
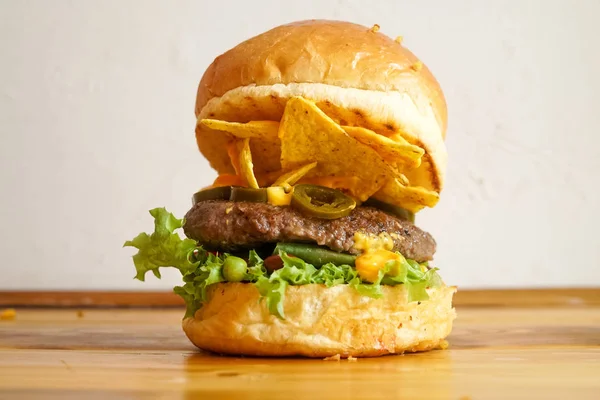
(237, 226)
(306, 234)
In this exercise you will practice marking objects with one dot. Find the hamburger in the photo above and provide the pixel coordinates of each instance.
(327, 138)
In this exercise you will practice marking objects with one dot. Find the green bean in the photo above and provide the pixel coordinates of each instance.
(315, 255)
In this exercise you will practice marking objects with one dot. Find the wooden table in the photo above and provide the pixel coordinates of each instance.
(495, 353)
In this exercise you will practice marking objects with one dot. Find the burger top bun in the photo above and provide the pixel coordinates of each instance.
(355, 74)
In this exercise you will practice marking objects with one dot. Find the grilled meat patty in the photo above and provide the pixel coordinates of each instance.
(234, 226)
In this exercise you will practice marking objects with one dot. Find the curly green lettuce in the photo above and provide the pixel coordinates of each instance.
(200, 269)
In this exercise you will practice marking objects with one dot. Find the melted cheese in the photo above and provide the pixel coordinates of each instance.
(367, 241)
(277, 196)
(371, 262)
(376, 253)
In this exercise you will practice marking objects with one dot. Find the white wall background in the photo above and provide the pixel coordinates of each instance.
(97, 127)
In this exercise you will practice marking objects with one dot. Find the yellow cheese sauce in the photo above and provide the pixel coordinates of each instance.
(376, 252)
(277, 196)
(368, 241)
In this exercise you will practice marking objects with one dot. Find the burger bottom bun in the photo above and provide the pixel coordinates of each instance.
(320, 322)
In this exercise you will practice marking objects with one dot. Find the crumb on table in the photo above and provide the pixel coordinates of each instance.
(8, 314)
(338, 357)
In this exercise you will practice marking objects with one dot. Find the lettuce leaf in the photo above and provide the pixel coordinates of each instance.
(200, 269)
(163, 248)
(197, 281)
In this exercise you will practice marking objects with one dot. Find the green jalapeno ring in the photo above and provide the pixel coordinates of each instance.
(321, 202)
(217, 193)
(248, 194)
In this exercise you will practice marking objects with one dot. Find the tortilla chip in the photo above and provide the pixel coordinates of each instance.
(310, 147)
(307, 135)
(266, 155)
(246, 166)
(392, 151)
(254, 129)
(294, 175)
(234, 155)
(228, 180)
(412, 198)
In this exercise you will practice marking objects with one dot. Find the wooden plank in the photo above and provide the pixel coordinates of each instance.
(564, 297)
(495, 353)
(457, 375)
(160, 329)
(89, 299)
(560, 297)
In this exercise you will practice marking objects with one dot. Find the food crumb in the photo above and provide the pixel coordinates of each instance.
(8, 314)
(444, 344)
(65, 364)
(337, 357)
(399, 39)
(465, 398)
(404, 180)
(375, 28)
(79, 313)
(352, 359)
(417, 66)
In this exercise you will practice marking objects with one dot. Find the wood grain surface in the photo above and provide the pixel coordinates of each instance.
(565, 297)
(495, 353)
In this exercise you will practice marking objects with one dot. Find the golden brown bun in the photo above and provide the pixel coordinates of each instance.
(317, 51)
(355, 75)
(320, 322)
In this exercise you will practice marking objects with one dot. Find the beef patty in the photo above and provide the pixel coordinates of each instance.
(233, 226)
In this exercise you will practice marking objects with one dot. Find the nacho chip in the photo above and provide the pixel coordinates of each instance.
(228, 180)
(234, 156)
(266, 155)
(403, 179)
(309, 147)
(253, 129)
(392, 151)
(246, 166)
(264, 143)
(413, 198)
(266, 178)
(294, 175)
(307, 134)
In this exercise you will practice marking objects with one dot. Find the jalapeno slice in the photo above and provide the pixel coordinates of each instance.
(391, 209)
(321, 202)
(217, 193)
(248, 194)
